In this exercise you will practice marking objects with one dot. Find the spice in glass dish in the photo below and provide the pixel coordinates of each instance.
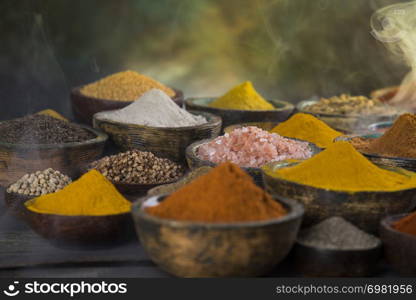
(138, 167)
(154, 109)
(342, 168)
(252, 147)
(308, 128)
(124, 86)
(242, 97)
(225, 194)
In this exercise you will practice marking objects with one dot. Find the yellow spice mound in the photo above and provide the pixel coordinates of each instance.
(52, 113)
(309, 128)
(124, 86)
(91, 195)
(242, 97)
(341, 168)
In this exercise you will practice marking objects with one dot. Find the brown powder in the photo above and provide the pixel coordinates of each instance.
(398, 141)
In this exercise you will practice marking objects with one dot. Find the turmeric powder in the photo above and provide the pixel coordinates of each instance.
(91, 195)
(52, 113)
(309, 128)
(242, 97)
(342, 168)
(225, 194)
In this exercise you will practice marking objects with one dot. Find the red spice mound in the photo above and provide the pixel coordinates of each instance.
(406, 224)
(398, 141)
(225, 194)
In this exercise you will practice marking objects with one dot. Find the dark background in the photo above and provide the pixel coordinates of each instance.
(290, 49)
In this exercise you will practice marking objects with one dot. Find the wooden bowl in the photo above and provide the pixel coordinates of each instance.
(347, 123)
(390, 162)
(164, 142)
(84, 107)
(318, 262)
(363, 209)
(15, 203)
(195, 162)
(234, 116)
(399, 247)
(81, 231)
(191, 249)
(17, 160)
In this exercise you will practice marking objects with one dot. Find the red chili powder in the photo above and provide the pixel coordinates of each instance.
(406, 224)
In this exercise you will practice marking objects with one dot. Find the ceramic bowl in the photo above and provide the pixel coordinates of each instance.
(363, 209)
(17, 160)
(164, 142)
(191, 249)
(84, 107)
(233, 116)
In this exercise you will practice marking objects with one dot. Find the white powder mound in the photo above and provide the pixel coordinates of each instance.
(154, 109)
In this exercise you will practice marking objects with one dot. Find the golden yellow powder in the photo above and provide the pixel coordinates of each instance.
(52, 113)
(309, 128)
(242, 97)
(342, 168)
(91, 195)
(124, 86)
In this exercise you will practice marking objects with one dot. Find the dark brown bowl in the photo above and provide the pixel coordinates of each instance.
(164, 142)
(319, 262)
(190, 249)
(17, 160)
(390, 162)
(84, 107)
(15, 203)
(399, 247)
(363, 209)
(234, 116)
(82, 231)
(195, 162)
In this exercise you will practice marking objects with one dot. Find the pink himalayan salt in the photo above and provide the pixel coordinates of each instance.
(253, 147)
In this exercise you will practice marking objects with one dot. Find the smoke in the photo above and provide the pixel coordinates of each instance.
(395, 26)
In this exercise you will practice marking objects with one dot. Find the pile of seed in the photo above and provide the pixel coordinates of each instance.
(124, 86)
(337, 234)
(42, 129)
(138, 167)
(40, 183)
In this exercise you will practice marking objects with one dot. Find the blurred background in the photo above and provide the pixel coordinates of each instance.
(290, 49)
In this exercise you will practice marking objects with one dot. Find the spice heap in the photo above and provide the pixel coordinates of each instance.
(52, 113)
(337, 234)
(137, 167)
(350, 105)
(342, 168)
(242, 97)
(406, 224)
(225, 194)
(40, 183)
(307, 127)
(252, 147)
(42, 129)
(172, 187)
(398, 141)
(91, 195)
(124, 86)
(153, 109)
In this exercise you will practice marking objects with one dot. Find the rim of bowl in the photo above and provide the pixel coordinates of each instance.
(301, 108)
(99, 137)
(368, 136)
(191, 152)
(386, 223)
(343, 251)
(77, 91)
(296, 210)
(321, 189)
(286, 105)
(375, 126)
(212, 119)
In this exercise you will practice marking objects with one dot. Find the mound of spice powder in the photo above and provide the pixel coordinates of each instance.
(42, 129)
(124, 86)
(242, 97)
(309, 128)
(406, 224)
(226, 194)
(398, 141)
(342, 168)
(252, 147)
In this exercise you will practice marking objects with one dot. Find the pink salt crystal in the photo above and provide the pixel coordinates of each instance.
(253, 147)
